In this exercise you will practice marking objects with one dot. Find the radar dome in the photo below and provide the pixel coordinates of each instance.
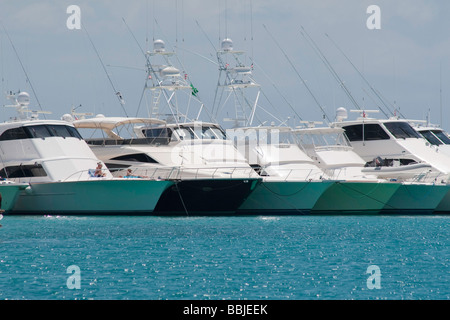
(159, 46)
(23, 98)
(341, 114)
(67, 117)
(227, 44)
(170, 72)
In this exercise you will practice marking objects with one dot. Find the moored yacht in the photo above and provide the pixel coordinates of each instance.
(211, 177)
(394, 150)
(63, 174)
(291, 184)
(356, 191)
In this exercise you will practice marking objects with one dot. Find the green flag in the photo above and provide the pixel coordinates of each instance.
(194, 90)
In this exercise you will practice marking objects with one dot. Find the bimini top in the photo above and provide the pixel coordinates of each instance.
(319, 130)
(109, 123)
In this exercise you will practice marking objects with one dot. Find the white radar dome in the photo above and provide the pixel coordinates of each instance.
(159, 46)
(170, 72)
(227, 44)
(341, 114)
(23, 98)
(67, 117)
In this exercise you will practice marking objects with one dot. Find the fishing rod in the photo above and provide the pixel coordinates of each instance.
(329, 67)
(23, 68)
(364, 78)
(298, 74)
(116, 92)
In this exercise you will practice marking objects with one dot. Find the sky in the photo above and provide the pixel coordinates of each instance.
(406, 59)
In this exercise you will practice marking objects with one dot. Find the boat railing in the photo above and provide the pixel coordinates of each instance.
(431, 176)
(167, 173)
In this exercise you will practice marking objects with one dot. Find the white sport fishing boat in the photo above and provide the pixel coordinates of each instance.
(212, 178)
(63, 174)
(393, 150)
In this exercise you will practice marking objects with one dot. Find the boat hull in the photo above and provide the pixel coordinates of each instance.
(205, 197)
(8, 194)
(347, 197)
(416, 199)
(94, 197)
(284, 197)
(444, 206)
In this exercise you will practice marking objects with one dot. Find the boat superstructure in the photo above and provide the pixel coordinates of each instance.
(64, 175)
(435, 135)
(332, 152)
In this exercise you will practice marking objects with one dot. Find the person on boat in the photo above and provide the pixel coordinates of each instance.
(130, 175)
(98, 171)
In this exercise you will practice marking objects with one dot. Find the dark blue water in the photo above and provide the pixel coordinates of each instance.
(288, 258)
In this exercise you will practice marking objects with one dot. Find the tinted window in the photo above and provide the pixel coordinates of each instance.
(372, 131)
(137, 157)
(59, 131)
(39, 131)
(26, 171)
(401, 130)
(431, 137)
(441, 135)
(15, 134)
(157, 133)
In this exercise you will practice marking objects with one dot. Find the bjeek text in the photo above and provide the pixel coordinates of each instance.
(240, 310)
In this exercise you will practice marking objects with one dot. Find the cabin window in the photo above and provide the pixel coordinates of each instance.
(136, 157)
(157, 133)
(431, 138)
(372, 131)
(212, 133)
(186, 133)
(401, 130)
(23, 171)
(40, 131)
(64, 131)
(441, 135)
(15, 134)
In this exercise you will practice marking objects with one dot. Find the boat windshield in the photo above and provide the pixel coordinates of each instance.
(431, 138)
(199, 132)
(401, 130)
(442, 136)
(365, 132)
(40, 131)
(324, 140)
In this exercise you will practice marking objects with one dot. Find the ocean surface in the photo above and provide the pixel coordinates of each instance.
(197, 258)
